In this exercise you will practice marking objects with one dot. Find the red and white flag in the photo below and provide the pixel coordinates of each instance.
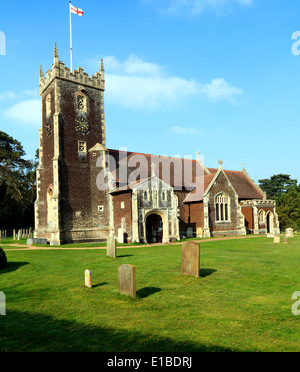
(75, 10)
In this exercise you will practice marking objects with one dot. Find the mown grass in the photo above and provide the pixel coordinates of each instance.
(241, 302)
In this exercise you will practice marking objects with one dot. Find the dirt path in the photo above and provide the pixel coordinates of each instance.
(33, 248)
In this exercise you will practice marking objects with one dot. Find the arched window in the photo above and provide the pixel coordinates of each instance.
(146, 195)
(261, 216)
(163, 195)
(222, 207)
(48, 105)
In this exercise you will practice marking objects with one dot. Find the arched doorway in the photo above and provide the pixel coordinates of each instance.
(270, 223)
(154, 229)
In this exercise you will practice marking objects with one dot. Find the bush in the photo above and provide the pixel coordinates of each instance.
(3, 260)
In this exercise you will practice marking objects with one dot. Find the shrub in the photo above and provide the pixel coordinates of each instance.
(3, 260)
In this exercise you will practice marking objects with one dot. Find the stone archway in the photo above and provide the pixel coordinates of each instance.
(157, 230)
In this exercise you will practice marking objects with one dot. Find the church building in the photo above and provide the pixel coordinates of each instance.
(87, 192)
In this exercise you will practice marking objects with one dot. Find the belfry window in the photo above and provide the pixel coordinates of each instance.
(222, 207)
(81, 103)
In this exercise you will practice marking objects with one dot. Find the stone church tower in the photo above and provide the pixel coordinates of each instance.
(69, 206)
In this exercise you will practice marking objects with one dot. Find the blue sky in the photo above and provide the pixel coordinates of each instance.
(217, 76)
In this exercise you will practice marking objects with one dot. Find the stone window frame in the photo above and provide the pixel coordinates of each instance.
(82, 143)
(222, 208)
(122, 205)
(261, 216)
(84, 96)
(48, 105)
(164, 195)
(146, 195)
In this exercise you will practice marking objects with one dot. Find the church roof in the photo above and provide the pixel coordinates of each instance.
(240, 181)
(176, 167)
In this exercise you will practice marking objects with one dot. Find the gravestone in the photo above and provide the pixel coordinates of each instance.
(88, 278)
(190, 259)
(189, 232)
(29, 241)
(120, 236)
(285, 240)
(269, 235)
(289, 232)
(14, 234)
(40, 241)
(276, 239)
(126, 279)
(111, 250)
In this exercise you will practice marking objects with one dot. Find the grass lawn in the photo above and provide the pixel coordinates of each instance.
(241, 302)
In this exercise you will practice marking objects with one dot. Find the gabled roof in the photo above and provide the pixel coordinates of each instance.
(175, 166)
(240, 181)
(138, 163)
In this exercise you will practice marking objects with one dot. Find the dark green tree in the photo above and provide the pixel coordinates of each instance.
(17, 184)
(277, 185)
(288, 209)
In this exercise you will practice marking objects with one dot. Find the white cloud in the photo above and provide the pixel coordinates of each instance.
(219, 89)
(7, 95)
(182, 130)
(195, 7)
(27, 112)
(136, 84)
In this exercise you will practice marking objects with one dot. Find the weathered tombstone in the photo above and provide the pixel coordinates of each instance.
(285, 240)
(126, 279)
(88, 278)
(189, 232)
(289, 232)
(199, 232)
(111, 247)
(14, 234)
(19, 234)
(190, 259)
(120, 235)
(269, 235)
(276, 239)
(29, 241)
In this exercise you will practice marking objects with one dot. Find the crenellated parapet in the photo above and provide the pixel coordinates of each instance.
(60, 71)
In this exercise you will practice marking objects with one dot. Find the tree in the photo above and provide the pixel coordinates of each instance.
(288, 209)
(277, 185)
(17, 184)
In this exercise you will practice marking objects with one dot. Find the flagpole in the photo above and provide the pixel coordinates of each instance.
(71, 48)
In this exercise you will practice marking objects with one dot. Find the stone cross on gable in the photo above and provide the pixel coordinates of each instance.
(220, 163)
(153, 166)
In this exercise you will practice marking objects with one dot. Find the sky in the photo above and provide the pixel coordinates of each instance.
(218, 76)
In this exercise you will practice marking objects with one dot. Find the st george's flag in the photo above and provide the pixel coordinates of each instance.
(75, 10)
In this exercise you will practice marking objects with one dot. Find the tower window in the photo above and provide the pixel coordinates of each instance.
(48, 105)
(81, 146)
(81, 103)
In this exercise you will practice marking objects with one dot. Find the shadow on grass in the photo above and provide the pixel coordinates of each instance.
(99, 285)
(206, 272)
(124, 255)
(29, 332)
(147, 291)
(12, 266)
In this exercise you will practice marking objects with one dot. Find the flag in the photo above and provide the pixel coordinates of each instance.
(75, 10)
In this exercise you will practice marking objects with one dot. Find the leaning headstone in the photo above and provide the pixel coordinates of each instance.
(19, 234)
(190, 259)
(120, 236)
(126, 279)
(285, 240)
(289, 232)
(88, 278)
(276, 239)
(111, 247)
